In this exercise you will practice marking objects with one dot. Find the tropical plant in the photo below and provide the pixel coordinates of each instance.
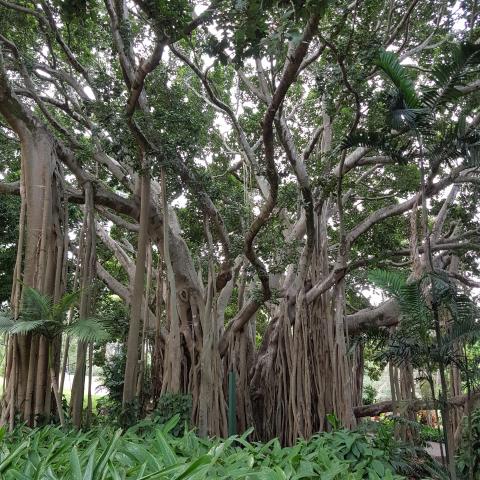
(369, 394)
(406, 459)
(430, 434)
(170, 405)
(218, 207)
(39, 315)
(421, 340)
(411, 111)
(148, 451)
(414, 341)
(468, 455)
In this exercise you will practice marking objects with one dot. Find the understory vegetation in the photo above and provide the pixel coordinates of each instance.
(150, 451)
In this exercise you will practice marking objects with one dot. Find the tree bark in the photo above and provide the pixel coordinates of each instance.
(414, 405)
(87, 269)
(41, 230)
(131, 367)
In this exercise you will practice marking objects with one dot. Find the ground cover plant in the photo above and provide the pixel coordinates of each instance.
(149, 451)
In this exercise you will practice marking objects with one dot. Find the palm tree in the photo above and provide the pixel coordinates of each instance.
(40, 315)
(413, 129)
(421, 339)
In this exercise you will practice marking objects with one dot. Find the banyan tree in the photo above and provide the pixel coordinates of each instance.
(232, 171)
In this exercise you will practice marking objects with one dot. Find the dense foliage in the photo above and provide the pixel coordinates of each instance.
(468, 461)
(149, 451)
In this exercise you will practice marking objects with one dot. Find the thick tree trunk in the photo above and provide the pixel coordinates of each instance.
(28, 383)
(303, 371)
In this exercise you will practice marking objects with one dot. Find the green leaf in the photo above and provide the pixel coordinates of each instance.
(168, 454)
(194, 467)
(60, 308)
(106, 456)
(398, 75)
(391, 281)
(24, 327)
(450, 74)
(75, 469)
(379, 468)
(87, 330)
(8, 460)
(35, 305)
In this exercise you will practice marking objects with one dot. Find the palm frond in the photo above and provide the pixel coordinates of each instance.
(451, 74)
(462, 309)
(458, 142)
(88, 330)
(403, 350)
(6, 323)
(23, 327)
(443, 289)
(461, 333)
(60, 308)
(403, 117)
(35, 305)
(382, 142)
(412, 304)
(398, 75)
(469, 145)
(389, 280)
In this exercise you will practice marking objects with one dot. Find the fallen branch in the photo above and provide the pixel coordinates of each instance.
(413, 406)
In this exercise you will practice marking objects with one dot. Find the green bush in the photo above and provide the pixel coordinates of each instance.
(469, 452)
(148, 451)
(369, 395)
(169, 405)
(113, 375)
(406, 459)
(430, 434)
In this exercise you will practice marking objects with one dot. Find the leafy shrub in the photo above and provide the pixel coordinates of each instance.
(469, 452)
(430, 434)
(154, 453)
(171, 404)
(369, 395)
(110, 406)
(405, 458)
(113, 375)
